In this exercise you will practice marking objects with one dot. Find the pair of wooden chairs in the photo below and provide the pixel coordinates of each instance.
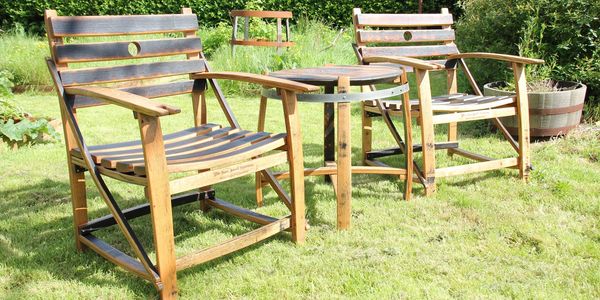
(424, 43)
(203, 155)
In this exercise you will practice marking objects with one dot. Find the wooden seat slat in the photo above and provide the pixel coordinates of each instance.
(405, 36)
(122, 25)
(208, 142)
(128, 165)
(131, 72)
(454, 102)
(168, 138)
(69, 53)
(188, 142)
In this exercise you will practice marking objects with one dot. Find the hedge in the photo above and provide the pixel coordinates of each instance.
(210, 12)
(565, 33)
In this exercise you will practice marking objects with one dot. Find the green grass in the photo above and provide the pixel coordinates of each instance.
(481, 236)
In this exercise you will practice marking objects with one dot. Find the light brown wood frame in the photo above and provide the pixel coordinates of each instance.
(425, 115)
(280, 16)
(161, 191)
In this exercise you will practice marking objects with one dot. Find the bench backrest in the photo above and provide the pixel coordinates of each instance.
(425, 36)
(123, 53)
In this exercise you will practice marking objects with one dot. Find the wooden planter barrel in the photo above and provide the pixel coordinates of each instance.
(550, 113)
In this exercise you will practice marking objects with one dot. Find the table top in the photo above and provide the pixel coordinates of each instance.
(328, 75)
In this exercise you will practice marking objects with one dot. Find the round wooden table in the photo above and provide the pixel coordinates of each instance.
(342, 77)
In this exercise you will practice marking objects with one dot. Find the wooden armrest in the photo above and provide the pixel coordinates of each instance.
(407, 61)
(496, 56)
(258, 79)
(128, 100)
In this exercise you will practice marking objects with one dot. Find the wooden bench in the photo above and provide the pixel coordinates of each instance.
(204, 155)
(424, 43)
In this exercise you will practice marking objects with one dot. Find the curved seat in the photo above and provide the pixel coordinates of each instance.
(455, 103)
(201, 148)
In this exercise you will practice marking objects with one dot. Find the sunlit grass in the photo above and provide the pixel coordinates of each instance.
(481, 236)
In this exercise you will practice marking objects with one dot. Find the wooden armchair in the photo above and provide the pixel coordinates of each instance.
(423, 43)
(207, 153)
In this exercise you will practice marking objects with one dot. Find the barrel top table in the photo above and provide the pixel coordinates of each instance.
(329, 75)
(340, 170)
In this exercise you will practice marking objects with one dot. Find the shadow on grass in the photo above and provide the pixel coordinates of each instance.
(41, 238)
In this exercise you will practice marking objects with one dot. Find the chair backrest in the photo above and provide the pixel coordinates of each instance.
(122, 49)
(424, 36)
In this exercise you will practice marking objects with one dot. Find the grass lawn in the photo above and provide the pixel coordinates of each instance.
(481, 236)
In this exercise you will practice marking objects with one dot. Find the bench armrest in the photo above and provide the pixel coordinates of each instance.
(407, 61)
(264, 80)
(496, 56)
(124, 99)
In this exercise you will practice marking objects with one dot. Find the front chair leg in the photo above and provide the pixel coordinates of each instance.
(523, 120)
(295, 159)
(427, 133)
(159, 196)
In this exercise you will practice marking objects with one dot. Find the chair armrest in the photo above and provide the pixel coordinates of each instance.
(128, 100)
(264, 80)
(496, 56)
(407, 61)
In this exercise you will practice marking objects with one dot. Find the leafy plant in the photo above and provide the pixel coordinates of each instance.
(27, 131)
(17, 126)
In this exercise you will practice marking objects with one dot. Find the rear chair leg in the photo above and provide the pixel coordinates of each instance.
(367, 137)
(262, 114)
(452, 89)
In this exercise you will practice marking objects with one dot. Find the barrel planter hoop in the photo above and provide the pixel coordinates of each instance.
(550, 113)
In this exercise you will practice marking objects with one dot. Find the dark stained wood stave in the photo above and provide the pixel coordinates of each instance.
(405, 36)
(404, 20)
(148, 91)
(130, 72)
(410, 51)
(122, 25)
(120, 50)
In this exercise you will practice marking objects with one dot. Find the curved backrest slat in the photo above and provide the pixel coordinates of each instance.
(121, 25)
(126, 50)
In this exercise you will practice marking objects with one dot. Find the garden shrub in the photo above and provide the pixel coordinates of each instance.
(562, 32)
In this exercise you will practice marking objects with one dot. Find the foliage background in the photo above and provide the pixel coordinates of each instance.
(30, 13)
(565, 33)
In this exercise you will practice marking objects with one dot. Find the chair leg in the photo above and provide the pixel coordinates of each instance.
(296, 162)
(160, 204)
(262, 114)
(427, 133)
(79, 201)
(523, 121)
(367, 137)
(77, 183)
(452, 89)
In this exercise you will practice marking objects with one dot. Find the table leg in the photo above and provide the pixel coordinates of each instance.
(329, 131)
(344, 161)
